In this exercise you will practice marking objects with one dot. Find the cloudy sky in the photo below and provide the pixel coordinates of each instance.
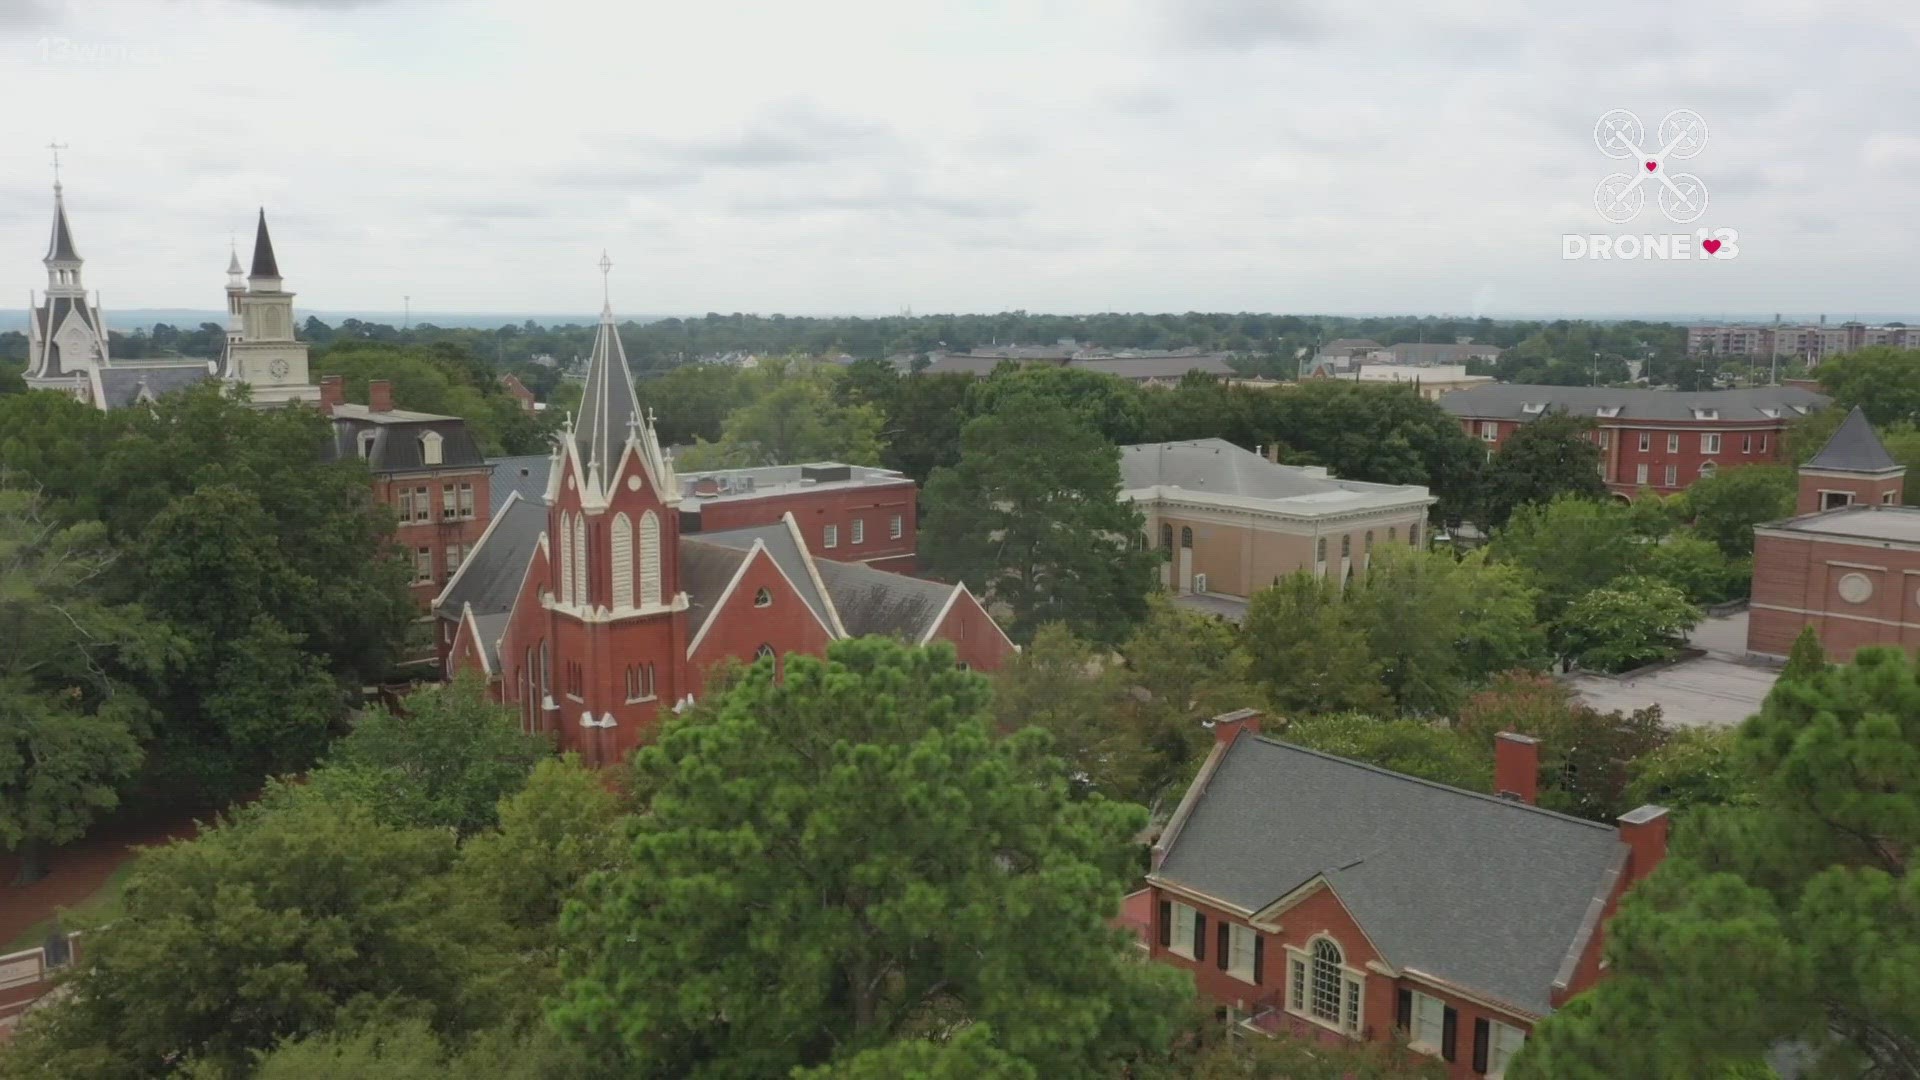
(864, 156)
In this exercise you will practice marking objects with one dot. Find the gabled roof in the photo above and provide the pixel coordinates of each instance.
(60, 244)
(876, 602)
(121, 387)
(1215, 468)
(788, 553)
(264, 264)
(526, 474)
(607, 406)
(490, 579)
(1486, 893)
(1854, 448)
(705, 572)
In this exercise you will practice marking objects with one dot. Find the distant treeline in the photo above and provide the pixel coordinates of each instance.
(1555, 351)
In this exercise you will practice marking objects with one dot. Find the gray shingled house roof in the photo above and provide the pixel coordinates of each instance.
(395, 446)
(1158, 367)
(122, 387)
(786, 552)
(1523, 401)
(876, 602)
(1217, 467)
(1854, 448)
(1483, 892)
(705, 571)
(526, 474)
(490, 578)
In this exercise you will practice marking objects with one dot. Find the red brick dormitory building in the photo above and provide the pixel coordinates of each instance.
(591, 609)
(1849, 564)
(1320, 896)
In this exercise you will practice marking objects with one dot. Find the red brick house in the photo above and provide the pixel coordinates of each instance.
(591, 610)
(1660, 440)
(1849, 564)
(1324, 897)
(427, 467)
(519, 392)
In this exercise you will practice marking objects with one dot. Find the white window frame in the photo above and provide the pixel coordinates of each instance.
(1673, 442)
(1489, 431)
(466, 499)
(1353, 989)
(1710, 443)
(1503, 1043)
(1180, 937)
(1429, 1031)
(1640, 474)
(430, 448)
(859, 531)
(896, 528)
(422, 503)
(1746, 444)
(1646, 441)
(1763, 444)
(1673, 476)
(422, 565)
(830, 537)
(1240, 940)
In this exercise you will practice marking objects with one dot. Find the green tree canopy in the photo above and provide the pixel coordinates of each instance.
(1033, 515)
(1788, 920)
(1628, 622)
(1548, 458)
(1880, 379)
(1308, 650)
(1726, 506)
(1438, 625)
(791, 417)
(1423, 748)
(1571, 546)
(857, 828)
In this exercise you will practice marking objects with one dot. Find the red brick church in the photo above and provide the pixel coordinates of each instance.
(590, 612)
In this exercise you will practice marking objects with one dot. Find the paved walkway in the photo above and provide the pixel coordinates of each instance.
(1718, 690)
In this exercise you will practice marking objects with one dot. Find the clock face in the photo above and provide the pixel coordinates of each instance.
(278, 368)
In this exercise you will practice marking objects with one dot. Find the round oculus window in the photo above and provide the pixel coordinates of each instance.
(633, 483)
(1855, 588)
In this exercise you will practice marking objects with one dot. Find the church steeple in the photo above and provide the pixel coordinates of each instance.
(266, 271)
(63, 261)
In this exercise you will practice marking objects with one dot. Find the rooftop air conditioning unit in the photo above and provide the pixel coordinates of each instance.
(1199, 583)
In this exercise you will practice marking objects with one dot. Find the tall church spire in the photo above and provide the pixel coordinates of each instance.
(264, 266)
(608, 407)
(62, 261)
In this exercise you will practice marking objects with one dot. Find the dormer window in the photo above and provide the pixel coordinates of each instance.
(1607, 412)
(1706, 414)
(366, 444)
(1532, 408)
(1770, 412)
(430, 448)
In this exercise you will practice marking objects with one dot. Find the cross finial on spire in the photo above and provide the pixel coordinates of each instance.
(56, 146)
(606, 289)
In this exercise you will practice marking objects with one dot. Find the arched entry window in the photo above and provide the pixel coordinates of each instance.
(1328, 980)
(1186, 537)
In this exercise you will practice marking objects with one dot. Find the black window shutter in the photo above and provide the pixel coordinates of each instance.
(1258, 973)
(1481, 1034)
(1449, 1027)
(1199, 936)
(1222, 946)
(1403, 1013)
(1166, 923)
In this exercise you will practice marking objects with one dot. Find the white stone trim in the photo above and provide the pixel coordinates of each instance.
(835, 628)
(492, 523)
(1836, 615)
(945, 610)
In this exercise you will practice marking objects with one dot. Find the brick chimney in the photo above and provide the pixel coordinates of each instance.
(380, 395)
(1644, 831)
(333, 391)
(1227, 726)
(1516, 767)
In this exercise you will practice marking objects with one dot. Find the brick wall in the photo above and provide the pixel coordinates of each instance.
(1797, 581)
(436, 532)
(875, 506)
(1621, 455)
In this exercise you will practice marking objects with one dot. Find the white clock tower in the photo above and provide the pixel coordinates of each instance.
(261, 350)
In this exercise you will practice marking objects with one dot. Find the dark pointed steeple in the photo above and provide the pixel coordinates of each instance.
(264, 265)
(60, 246)
(1854, 448)
(608, 407)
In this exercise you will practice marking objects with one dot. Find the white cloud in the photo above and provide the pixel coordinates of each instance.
(861, 155)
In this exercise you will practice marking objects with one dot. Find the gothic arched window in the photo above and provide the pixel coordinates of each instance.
(580, 591)
(649, 559)
(565, 540)
(1186, 537)
(622, 562)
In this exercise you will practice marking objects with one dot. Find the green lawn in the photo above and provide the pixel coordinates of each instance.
(101, 906)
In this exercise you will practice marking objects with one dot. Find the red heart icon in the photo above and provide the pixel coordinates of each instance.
(1711, 245)
(1651, 165)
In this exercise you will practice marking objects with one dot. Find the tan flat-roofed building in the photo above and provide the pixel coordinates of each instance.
(1233, 522)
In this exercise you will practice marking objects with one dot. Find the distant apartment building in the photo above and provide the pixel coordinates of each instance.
(1432, 382)
(1427, 353)
(1659, 440)
(1232, 522)
(427, 468)
(1806, 344)
(1145, 367)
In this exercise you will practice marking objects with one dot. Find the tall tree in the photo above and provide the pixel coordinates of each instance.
(1628, 622)
(70, 725)
(1548, 458)
(1571, 546)
(792, 419)
(1791, 920)
(1033, 515)
(1380, 434)
(1726, 506)
(1883, 380)
(1309, 651)
(879, 847)
(1438, 625)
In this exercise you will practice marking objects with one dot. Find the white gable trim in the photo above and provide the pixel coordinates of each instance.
(485, 534)
(945, 610)
(834, 627)
(473, 628)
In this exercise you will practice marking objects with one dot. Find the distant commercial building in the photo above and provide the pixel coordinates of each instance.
(1232, 522)
(1433, 382)
(1146, 367)
(1430, 353)
(1807, 344)
(1849, 564)
(1660, 440)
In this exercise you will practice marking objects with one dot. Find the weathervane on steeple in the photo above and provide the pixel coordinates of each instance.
(606, 288)
(56, 147)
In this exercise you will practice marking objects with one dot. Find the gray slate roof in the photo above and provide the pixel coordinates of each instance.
(396, 439)
(1432, 352)
(60, 244)
(977, 366)
(1217, 467)
(876, 602)
(123, 386)
(1508, 401)
(491, 578)
(1480, 891)
(492, 628)
(264, 264)
(526, 474)
(786, 552)
(1854, 448)
(705, 571)
(607, 405)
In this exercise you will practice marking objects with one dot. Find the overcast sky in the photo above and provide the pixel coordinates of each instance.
(864, 156)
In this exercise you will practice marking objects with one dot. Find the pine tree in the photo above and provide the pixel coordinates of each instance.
(1806, 659)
